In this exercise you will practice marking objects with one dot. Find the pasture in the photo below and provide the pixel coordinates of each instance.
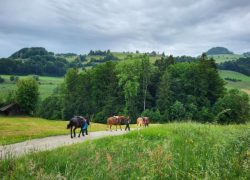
(225, 57)
(46, 85)
(17, 129)
(170, 151)
(243, 84)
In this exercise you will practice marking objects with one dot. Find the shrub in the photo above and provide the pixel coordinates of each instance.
(50, 108)
(232, 108)
(205, 115)
(154, 116)
(177, 111)
(14, 78)
(2, 80)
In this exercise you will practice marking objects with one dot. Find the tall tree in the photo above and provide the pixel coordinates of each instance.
(146, 73)
(27, 94)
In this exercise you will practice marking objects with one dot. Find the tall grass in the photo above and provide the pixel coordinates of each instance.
(171, 151)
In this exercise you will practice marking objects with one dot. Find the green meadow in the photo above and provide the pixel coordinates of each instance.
(171, 151)
(243, 84)
(46, 85)
(225, 57)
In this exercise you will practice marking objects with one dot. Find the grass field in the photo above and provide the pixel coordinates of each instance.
(17, 129)
(225, 57)
(46, 85)
(243, 85)
(171, 151)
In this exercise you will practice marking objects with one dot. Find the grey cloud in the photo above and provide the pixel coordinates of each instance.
(177, 27)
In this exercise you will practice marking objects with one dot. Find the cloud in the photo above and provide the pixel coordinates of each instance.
(175, 27)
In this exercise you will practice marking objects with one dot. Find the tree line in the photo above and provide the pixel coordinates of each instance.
(36, 61)
(165, 91)
(242, 65)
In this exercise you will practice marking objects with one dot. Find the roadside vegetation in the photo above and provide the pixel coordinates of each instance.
(171, 151)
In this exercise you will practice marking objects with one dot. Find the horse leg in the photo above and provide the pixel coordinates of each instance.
(121, 127)
(80, 132)
(74, 132)
(71, 132)
(116, 127)
(110, 126)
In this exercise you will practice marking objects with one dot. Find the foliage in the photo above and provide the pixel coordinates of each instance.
(51, 108)
(194, 85)
(241, 65)
(154, 115)
(27, 95)
(2, 80)
(29, 52)
(172, 151)
(218, 50)
(232, 108)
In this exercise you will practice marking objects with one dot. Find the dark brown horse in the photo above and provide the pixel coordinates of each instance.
(143, 121)
(116, 120)
(74, 123)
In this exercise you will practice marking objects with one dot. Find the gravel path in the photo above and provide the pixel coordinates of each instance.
(18, 149)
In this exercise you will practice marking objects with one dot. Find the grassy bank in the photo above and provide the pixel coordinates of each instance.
(17, 129)
(171, 151)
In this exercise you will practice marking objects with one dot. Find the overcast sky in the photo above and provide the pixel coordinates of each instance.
(176, 27)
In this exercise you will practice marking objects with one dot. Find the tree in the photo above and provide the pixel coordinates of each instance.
(51, 108)
(147, 71)
(232, 108)
(27, 95)
(129, 80)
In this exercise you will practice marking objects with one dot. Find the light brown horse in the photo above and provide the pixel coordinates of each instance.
(115, 120)
(143, 121)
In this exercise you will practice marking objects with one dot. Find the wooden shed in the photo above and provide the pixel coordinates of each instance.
(11, 110)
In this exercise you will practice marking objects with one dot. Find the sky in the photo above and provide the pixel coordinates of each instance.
(180, 27)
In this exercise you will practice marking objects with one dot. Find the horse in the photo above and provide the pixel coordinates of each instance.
(74, 123)
(143, 121)
(115, 120)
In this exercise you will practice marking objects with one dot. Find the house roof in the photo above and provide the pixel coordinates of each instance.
(7, 107)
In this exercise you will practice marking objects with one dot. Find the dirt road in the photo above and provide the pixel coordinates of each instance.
(18, 149)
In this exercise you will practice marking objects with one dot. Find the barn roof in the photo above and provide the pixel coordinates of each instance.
(7, 107)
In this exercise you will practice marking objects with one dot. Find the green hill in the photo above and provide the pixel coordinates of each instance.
(218, 50)
(220, 58)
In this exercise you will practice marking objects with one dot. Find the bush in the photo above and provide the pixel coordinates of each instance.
(232, 108)
(177, 111)
(2, 80)
(205, 115)
(154, 116)
(14, 78)
(51, 108)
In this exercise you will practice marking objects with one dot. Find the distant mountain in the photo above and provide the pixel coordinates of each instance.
(29, 52)
(246, 54)
(218, 50)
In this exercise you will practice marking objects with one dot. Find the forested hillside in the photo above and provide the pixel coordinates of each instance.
(218, 50)
(241, 65)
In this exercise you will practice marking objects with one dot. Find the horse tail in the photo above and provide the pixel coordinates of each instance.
(69, 125)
